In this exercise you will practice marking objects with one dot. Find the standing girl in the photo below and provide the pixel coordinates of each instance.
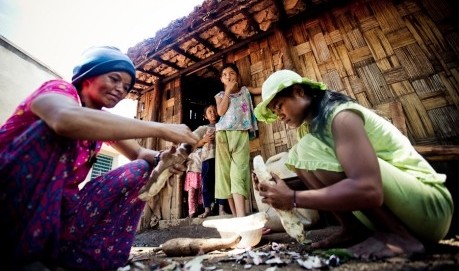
(206, 133)
(193, 182)
(234, 105)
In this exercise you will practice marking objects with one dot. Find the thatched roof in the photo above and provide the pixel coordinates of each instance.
(209, 32)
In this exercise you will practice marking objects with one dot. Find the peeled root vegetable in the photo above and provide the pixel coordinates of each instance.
(290, 221)
(196, 246)
(161, 173)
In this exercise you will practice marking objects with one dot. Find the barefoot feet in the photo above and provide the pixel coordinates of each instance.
(336, 238)
(384, 245)
(221, 210)
(206, 213)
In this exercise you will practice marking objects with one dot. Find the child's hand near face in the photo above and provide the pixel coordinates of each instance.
(230, 85)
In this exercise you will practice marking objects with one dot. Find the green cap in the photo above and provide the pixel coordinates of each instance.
(274, 84)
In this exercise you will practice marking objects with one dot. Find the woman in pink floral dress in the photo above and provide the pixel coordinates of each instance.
(47, 148)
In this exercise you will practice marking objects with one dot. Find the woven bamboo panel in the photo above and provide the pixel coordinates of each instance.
(442, 115)
(384, 51)
(379, 92)
(419, 123)
(381, 53)
(393, 112)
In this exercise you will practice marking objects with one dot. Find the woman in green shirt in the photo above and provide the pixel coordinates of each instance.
(358, 165)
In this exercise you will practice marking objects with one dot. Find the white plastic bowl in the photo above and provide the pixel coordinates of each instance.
(250, 235)
(250, 228)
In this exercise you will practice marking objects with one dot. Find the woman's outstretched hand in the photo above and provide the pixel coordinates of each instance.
(179, 133)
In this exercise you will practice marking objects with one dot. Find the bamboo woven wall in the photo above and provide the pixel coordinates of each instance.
(381, 53)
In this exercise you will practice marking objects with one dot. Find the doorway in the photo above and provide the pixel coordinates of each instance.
(197, 92)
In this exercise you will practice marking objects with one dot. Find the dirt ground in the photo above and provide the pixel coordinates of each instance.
(277, 251)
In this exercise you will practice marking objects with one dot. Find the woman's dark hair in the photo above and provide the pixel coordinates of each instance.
(230, 65)
(323, 102)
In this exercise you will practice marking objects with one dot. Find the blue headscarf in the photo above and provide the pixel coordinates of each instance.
(100, 60)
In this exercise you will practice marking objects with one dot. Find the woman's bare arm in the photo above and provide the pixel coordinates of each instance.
(67, 118)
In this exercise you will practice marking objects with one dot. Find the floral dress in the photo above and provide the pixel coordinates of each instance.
(44, 216)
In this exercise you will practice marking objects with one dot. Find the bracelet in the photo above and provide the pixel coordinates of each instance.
(157, 158)
(294, 198)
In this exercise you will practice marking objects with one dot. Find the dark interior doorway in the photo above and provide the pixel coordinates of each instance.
(198, 91)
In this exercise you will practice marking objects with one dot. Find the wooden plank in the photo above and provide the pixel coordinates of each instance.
(438, 152)
(319, 46)
(355, 39)
(445, 120)
(400, 38)
(377, 89)
(452, 86)
(256, 67)
(303, 48)
(177, 197)
(387, 15)
(428, 86)
(333, 80)
(395, 75)
(437, 101)
(309, 67)
(286, 50)
(394, 112)
(368, 23)
(363, 99)
(357, 85)
(347, 87)
(439, 10)
(360, 54)
(402, 88)
(418, 121)
(344, 58)
(414, 61)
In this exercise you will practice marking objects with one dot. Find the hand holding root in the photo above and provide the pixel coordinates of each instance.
(276, 193)
(290, 221)
(168, 165)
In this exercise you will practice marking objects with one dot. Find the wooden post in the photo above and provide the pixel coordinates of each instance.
(286, 51)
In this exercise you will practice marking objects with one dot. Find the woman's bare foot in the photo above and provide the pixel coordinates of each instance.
(384, 245)
(221, 210)
(336, 238)
(206, 213)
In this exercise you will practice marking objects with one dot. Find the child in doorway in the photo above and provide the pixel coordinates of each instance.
(357, 165)
(206, 133)
(193, 182)
(234, 105)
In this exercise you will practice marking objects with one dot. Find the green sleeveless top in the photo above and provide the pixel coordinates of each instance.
(388, 142)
